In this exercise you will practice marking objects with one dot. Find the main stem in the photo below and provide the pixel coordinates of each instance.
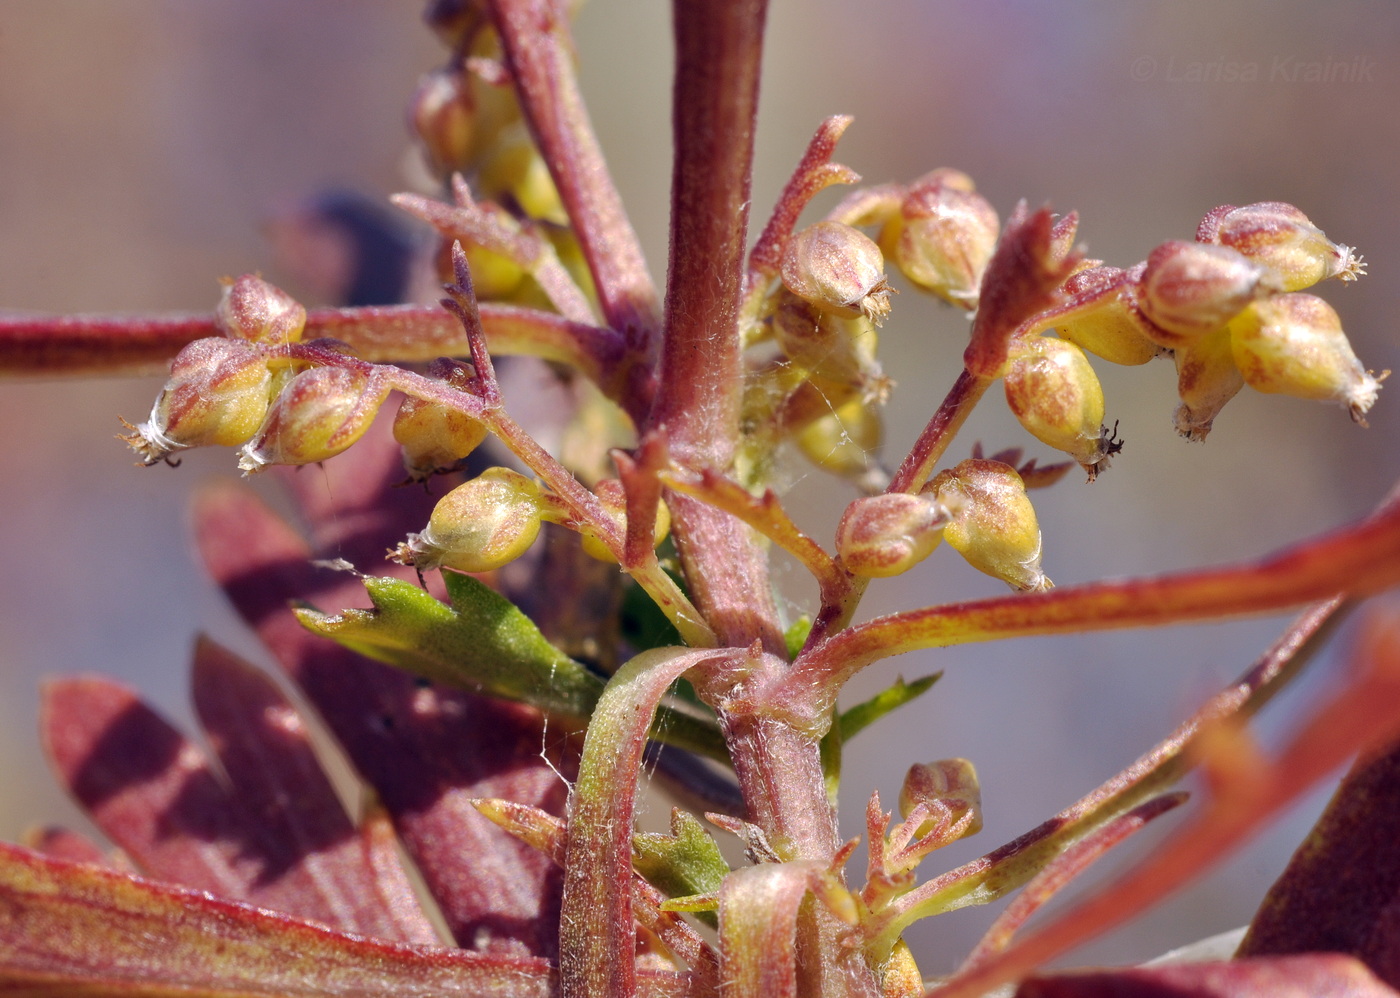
(718, 56)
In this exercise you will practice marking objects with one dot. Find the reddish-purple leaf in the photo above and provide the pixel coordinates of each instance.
(1319, 975)
(758, 928)
(1341, 891)
(155, 795)
(71, 929)
(354, 875)
(425, 750)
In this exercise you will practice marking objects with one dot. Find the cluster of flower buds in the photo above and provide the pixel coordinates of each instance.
(1214, 304)
(468, 121)
(980, 507)
(993, 525)
(494, 518)
(241, 389)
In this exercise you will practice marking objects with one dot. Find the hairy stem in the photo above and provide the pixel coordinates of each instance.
(718, 49)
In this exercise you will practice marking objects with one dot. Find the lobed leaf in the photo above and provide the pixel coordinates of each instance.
(480, 642)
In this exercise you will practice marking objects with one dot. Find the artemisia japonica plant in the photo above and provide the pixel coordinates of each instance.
(503, 690)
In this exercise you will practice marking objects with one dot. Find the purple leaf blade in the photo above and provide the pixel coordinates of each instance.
(425, 751)
(69, 929)
(351, 874)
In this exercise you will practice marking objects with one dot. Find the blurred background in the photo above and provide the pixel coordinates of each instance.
(147, 146)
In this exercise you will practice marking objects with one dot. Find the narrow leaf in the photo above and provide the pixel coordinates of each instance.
(758, 908)
(69, 929)
(596, 921)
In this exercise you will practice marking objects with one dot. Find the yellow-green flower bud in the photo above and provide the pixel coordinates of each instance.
(252, 309)
(216, 396)
(994, 526)
(1294, 345)
(434, 437)
(610, 493)
(1188, 289)
(1054, 392)
(831, 346)
(889, 534)
(1110, 325)
(513, 166)
(838, 269)
(1206, 378)
(319, 413)
(478, 526)
(494, 277)
(943, 236)
(946, 789)
(443, 114)
(846, 442)
(1279, 237)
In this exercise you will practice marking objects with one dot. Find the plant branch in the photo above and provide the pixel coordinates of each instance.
(539, 55)
(1247, 790)
(111, 345)
(1357, 560)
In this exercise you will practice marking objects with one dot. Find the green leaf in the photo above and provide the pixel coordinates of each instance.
(481, 642)
(796, 635)
(861, 716)
(685, 863)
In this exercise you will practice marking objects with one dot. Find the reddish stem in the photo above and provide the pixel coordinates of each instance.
(719, 47)
(539, 55)
(126, 345)
(1358, 560)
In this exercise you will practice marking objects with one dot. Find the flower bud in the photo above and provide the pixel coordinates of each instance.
(434, 437)
(1056, 395)
(252, 309)
(831, 346)
(1280, 238)
(994, 526)
(1294, 345)
(455, 21)
(513, 166)
(319, 413)
(846, 442)
(838, 269)
(478, 526)
(1188, 289)
(1108, 323)
(216, 396)
(889, 534)
(443, 114)
(946, 789)
(494, 276)
(610, 493)
(1206, 378)
(943, 236)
